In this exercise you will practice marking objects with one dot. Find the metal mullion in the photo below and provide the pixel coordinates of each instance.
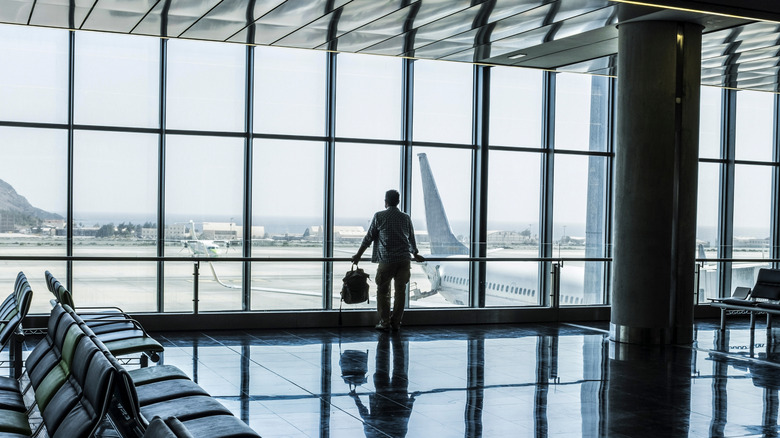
(479, 183)
(608, 190)
(161, 176)
(774, 227)
(547, 174)
(329, 175)
(69, 207)
(407, 134)
(246, 244)
(727, 172)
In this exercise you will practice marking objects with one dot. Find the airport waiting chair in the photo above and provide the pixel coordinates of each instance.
(763, 297)
(71, 381)
(12, 311)
(171, 427)
(121, 333)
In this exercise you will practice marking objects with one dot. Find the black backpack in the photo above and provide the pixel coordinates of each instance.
(355, 288)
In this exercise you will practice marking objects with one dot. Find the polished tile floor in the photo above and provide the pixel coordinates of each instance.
(531, 380)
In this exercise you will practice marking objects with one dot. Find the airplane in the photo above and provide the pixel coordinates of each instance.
(200, 247)
(211, 249)
(508, 283)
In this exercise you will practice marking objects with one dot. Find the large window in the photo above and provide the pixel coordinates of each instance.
(203, 197)
(289, 91)
(117, 80)
(441, 217)
(287, 222)
(513, 228)
(364, 172)
(442, 101)
(206, 83)
(175, 150)
(515, 107)
(368, 99)
(34, 77)
(115, 193)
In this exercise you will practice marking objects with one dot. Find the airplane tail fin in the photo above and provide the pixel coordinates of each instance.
(443, 242)
(192, 231)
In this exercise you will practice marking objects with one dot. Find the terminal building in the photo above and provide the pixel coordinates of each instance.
(564, 163)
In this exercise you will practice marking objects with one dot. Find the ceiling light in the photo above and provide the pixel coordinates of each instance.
(517, 56)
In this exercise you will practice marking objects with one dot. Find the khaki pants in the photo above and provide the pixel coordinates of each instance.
(398, 273)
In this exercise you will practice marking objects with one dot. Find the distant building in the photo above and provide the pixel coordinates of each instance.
(221, 231)
(341, 233)
(751, 242)
(507, 238)
(178, 231)
(258, 232)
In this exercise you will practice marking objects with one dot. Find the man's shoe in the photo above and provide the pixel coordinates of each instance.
(395, 327)
(381, 325)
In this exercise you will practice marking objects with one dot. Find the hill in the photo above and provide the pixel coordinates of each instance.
(18, 206)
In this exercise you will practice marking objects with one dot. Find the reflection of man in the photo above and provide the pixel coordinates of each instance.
(391, 405)
(392, 233)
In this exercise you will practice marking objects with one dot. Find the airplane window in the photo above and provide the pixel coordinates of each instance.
(502, 288)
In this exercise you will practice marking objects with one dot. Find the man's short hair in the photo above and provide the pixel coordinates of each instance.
(393, 198)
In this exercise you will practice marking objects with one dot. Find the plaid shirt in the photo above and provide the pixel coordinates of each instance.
(393, 233)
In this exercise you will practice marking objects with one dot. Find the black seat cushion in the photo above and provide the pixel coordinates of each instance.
(186, 408)
(167, 390)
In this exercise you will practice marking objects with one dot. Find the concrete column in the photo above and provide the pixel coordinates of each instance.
(656, 177)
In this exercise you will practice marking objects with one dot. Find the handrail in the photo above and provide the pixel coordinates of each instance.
(292, 259)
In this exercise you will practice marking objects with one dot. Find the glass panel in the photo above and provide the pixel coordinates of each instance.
(34, 77)
(34, 271)
(512, 283)
(581, 112)
(290, 285)
(442, 101)
(364, 173)
(578, 225)
(33, 179)
(130, 286)
(440, 180)
(513, 204)
(707, 229)
(515, 107)
(754, 125)
(368, 96)
(115, 194)
(287, 222)
(752, 207)
(178, 288)
(513, 228)
(206, 83)
(289, 91)
(203, 195)
(287, 206)
(710, 122)
(117, 80)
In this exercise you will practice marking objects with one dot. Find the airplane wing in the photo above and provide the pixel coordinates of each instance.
(263, 289)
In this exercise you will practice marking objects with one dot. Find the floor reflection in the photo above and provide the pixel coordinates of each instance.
(390, 405)
(488, 381)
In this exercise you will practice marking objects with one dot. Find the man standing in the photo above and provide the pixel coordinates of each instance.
(392, 231)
